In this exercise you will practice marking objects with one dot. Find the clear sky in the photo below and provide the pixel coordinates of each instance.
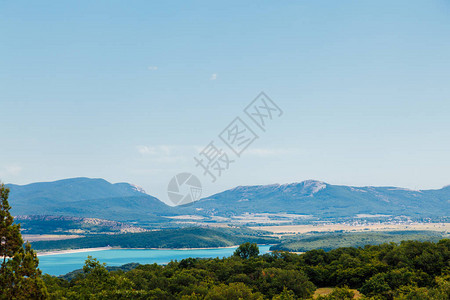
(130, 91)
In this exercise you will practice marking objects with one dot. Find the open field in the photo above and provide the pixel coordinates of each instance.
(296, 229)
(48, 237)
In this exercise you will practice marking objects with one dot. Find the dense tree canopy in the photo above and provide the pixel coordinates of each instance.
(411, 270)
(20, 277)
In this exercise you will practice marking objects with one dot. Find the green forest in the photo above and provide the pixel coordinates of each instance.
(410, 270)
(329, 241)
(204, 237)
(190, 237)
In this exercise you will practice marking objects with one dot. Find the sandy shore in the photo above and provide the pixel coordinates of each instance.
(209, 248)
(109, 248)
(73, 251)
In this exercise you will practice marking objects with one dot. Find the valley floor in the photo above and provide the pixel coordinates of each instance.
(299, 229)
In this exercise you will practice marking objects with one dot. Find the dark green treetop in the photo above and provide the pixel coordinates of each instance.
(247, 250)
(20, 277)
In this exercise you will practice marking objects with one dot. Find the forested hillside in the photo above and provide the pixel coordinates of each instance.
(171, 238)
(411, 270)
(329, 241)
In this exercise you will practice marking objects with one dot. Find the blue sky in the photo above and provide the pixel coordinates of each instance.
(131, 91)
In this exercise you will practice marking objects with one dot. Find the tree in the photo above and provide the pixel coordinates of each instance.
(20, 277)
(247, 250)
(376, 285)
(343, 293)
(96, 282)
(285, 295)
(233, 291)
(273, 281)
(10, 237)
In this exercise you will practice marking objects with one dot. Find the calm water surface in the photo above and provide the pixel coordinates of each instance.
(59, 264)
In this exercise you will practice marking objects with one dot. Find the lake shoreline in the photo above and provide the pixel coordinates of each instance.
(81, 250)
(68, 251)
(58, 263)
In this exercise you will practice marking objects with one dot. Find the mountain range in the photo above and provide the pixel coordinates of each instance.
(85, 197)
(325, 200)
(97, 198)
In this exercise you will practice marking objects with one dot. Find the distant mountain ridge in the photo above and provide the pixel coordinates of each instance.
(97, 198)
(325, 200)
(86, 197)
(74, 189)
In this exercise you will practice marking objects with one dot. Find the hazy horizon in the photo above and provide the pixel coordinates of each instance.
(132, 93)
(165, 200)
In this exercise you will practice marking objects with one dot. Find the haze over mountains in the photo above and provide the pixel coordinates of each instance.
(326, 200)
(84, 197)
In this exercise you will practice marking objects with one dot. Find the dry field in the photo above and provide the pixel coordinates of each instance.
(48, 237)
(294, 229)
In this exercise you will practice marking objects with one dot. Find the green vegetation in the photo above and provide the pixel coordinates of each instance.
(126, 267)
(338, 293)
(19, 276)
(329, 241)
(201, 237)
(247, 250)
(198, 237)
(410, 270)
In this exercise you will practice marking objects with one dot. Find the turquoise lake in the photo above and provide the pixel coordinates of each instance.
(60, 264)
